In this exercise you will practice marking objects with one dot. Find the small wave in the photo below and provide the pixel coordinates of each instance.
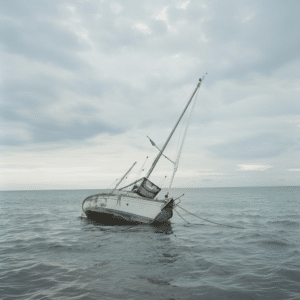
(255, 216)
(222, 270)
(274, 244)
(155, 280)
(256, 236)
(296, 252)
(286, 223)
(58, 247)
(203, 265)
(292, 216)
(291, 275)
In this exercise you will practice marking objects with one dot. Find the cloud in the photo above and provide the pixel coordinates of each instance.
(81, 72)
(40, 39)
(252, 167)
(39, 113)
(254, 146)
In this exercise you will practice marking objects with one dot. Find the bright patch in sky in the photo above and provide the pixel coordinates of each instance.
(163, 15)
(142, 27)
(184, 5)
(253, 167)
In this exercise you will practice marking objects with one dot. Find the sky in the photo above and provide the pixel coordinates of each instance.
(83, 83)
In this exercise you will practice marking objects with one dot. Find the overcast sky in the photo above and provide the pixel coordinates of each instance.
(84, 82)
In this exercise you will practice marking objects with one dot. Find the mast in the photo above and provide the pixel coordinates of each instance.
(176, 164)
(123, 178)
(168, 139)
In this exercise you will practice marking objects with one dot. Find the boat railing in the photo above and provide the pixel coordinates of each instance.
(129, 194)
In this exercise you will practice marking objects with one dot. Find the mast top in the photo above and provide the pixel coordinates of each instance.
(168, 139)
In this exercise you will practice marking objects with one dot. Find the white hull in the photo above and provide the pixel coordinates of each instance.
(128, 206)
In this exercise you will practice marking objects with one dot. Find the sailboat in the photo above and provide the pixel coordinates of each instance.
(138, 201)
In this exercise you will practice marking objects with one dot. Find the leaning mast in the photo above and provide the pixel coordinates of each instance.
(168, 139)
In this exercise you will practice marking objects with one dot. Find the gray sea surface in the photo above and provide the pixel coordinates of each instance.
(49, 251)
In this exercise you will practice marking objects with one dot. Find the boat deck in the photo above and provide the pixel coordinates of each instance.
(129, 194)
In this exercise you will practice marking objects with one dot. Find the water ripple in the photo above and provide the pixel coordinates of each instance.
(48, 251)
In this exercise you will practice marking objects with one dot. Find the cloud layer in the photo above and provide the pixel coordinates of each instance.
(77, 73)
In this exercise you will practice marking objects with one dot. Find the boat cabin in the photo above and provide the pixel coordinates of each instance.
(145, 188)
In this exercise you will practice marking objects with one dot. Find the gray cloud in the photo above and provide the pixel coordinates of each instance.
(101, 75)
(90, 61)
(253, 147)
(37, 37)
(29, 114)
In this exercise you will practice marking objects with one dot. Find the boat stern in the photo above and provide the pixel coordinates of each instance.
(166, 212)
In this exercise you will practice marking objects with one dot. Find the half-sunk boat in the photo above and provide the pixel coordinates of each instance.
(136, 202)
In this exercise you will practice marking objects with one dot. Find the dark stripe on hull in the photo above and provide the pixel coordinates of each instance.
(107, 219)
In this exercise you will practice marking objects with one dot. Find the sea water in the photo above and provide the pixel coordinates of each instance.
(48, 250)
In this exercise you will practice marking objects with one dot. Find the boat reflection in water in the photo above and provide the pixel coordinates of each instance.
(161, 227)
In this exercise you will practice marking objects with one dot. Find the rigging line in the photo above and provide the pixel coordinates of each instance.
(153, 144)
(184, 123)
(174, 144)
(112, 184)
(183, 140)
(173, 130)
(142, 168)
(208, 220)
(123, 178)
(166, 119)
(162, 181)
(180, 136)
(181, 216)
